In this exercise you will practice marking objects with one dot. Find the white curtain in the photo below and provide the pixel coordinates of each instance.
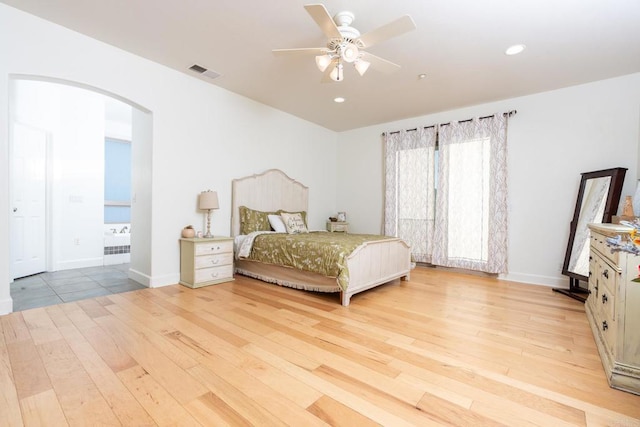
(410, 189)
(471, 207)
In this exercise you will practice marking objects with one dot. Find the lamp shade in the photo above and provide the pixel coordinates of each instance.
(349, 52)
(208, 200)
(323, 62)
(362, 66)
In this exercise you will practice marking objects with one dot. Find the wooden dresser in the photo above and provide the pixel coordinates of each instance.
(206, 261)
(613, 307)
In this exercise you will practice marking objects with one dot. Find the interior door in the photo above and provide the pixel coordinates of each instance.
(28, 201)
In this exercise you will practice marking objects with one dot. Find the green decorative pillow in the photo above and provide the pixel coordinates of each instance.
(294, 223)
(252, 220)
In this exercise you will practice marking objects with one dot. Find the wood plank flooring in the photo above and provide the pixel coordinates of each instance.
(442, 349)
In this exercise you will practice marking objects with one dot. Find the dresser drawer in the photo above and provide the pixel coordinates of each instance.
(216, 260)
(608, 276)
(608, 329)
(214, 273)
(594, 273)
(599, 243)
(214, 247)
(606, 304)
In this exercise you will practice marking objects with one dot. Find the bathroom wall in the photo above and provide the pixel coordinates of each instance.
(73, 118)
(77, 121)
(117, 244)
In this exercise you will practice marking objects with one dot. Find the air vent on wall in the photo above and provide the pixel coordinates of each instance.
(201, 70)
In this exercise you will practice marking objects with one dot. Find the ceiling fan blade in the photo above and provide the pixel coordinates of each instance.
(392, 29)
(302, 51)
(380, 64)
(319, 14)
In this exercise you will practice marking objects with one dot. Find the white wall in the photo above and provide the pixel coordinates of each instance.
(203, 136)
(554, 137)
(141, 180)
(118, 119)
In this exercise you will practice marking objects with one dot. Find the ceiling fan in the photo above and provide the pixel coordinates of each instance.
(346, 45)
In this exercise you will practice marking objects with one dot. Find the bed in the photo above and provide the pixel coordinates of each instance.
(372, 263)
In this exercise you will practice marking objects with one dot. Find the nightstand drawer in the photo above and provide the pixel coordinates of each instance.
(214, 260)
(214, 273)
(214, 247)
(340, 227)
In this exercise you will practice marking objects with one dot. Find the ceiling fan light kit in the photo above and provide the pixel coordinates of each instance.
(337, 74)
(345, 44)
(323, 61)
(349, 52)
(362, 67)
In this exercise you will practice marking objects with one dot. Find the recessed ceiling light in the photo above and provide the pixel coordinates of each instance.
(339, 100)
(422, 76)
(515, 49)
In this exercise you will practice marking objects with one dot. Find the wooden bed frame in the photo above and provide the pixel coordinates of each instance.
(370, 265)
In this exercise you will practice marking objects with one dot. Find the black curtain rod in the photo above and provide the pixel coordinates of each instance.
(507, 114)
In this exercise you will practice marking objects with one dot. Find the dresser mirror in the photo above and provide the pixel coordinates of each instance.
(598, 199)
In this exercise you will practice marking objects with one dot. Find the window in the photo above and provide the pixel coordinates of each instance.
(410, 192)
(117, 181)
(466, 225)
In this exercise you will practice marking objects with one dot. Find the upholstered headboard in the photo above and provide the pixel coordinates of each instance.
(267, 192)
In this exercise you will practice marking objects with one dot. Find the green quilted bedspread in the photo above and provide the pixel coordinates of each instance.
(317, 252)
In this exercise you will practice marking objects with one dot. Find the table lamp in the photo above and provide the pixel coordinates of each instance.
(208, 200)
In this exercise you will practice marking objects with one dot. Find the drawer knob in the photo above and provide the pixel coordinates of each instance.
(214, 261)
(604, 298)
(605, 273)
(605, 326)
(214, 275)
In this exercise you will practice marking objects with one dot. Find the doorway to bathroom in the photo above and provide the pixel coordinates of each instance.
(71, 178)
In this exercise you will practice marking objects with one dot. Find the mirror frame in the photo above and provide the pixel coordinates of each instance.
(610, 209)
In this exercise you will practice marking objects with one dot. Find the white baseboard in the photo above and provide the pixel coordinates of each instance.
(6, 306)
(78, 263)
(155, 281)
(554, 282)
(166, 280)
(139, 277)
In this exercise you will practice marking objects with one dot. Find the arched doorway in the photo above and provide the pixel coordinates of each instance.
(57, 134)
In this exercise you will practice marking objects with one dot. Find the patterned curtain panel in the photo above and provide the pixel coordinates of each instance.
(471, 208)
(410, 189)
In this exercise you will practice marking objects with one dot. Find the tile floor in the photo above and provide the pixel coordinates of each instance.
(59, 287)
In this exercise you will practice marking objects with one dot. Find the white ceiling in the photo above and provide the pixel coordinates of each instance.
(458, 44)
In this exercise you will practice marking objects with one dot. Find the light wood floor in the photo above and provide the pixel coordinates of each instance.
(442, 349)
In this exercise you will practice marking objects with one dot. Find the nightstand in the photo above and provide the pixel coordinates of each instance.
(206, 261)
(338, 226)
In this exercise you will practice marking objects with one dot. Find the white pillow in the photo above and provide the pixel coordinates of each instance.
(277, 224)
(294, 223)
